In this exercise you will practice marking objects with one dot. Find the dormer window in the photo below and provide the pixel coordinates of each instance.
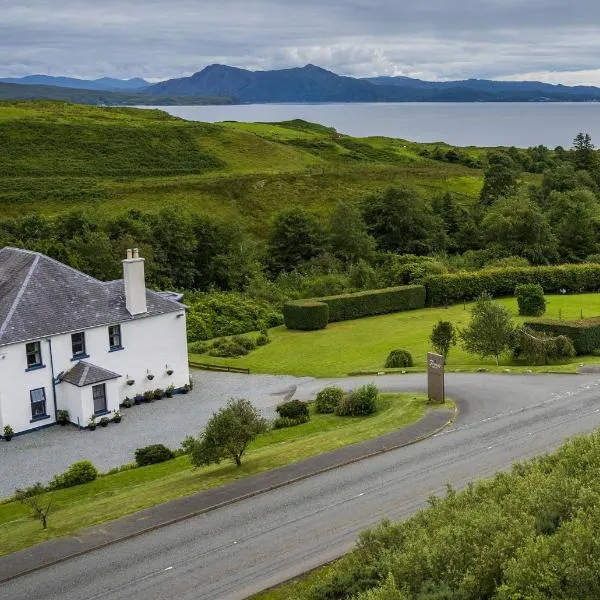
(33, 350)
(78, 345)
(114, 338)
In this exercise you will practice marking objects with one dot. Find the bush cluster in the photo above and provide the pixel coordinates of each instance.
(360, 402)
(530, 299)
(456, 287)
(78, 473)
(584, 334)
(398, 359)
(238, 345)
(153, 454)
(316, 313)
(538, 348)
(293, 409)
(283, 422)
(328, 398)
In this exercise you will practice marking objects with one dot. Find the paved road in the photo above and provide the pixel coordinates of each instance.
(242, 548)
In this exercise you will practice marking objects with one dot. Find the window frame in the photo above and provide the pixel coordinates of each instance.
(83, 353)
(112, 334)
(37, 352)
(103, 411)
(39, 416)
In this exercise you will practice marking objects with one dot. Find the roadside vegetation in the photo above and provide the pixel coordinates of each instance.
(130, 489)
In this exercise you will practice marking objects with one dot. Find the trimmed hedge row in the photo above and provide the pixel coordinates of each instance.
(585, 334)
(456, 287)
(310, 314)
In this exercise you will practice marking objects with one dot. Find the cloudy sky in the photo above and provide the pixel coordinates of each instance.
(551, 40)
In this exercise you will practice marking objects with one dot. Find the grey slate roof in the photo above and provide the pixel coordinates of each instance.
(40, 296)
(84, 373)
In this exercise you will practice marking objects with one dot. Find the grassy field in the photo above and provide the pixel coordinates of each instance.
(56, 157)
(363, 344)
(119, 494)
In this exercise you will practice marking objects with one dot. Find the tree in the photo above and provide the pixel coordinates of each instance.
(401, 221)
(490, 330)
(295, 238)
(227, 434)
(584, 155)
(443, 336)
(499, 179)
(31, 497)
(348, 236)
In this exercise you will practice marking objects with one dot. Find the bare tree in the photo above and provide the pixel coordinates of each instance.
(32, 497)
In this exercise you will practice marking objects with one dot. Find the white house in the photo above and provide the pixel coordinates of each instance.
(71, 342)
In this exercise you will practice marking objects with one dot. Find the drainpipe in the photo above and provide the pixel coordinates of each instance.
(53, 379)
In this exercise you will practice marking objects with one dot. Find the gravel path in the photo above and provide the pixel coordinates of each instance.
(40, 455)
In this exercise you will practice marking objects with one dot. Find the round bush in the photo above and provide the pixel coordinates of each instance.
(306, 315)
(328, 399)
(78, 473)
(361, 402)
(530, 298)
(262, 340)
(293, 409)
(153, 454)
(398, 359)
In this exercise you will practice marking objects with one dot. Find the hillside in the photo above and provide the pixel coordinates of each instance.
(57, 157)
(103, 83)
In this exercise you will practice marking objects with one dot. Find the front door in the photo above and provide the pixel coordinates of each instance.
(99, 396)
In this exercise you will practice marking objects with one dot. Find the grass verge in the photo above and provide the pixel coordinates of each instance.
(363, 344)
(120, 494)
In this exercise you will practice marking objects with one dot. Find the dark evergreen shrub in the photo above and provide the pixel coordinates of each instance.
(328, 399)
(530, 298)
(360, 402)
(293, 409)
(150, 455)
(78, 473)
(306, 315)
(398, 359)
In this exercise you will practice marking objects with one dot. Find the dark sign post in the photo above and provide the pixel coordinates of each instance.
(435, 377)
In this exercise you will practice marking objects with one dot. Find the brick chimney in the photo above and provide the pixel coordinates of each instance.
(134, 283)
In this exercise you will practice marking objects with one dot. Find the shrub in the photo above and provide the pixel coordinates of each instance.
(238, 345)
(262, 340)
(78, 473)
(443, 336)
(62, 417)
(148, 396)
(306, 315)
(104, 421)
(362, 401)
(585, 334)
(9, 433)
(538, 348)
(283, 422)
(158, 393)
(456, 287)
(399, 358)
(293, 409)
(328, 399)
(198, 347)
(153, 454)
(126, 403)
(530, 298)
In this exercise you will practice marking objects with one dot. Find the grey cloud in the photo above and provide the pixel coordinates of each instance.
(437, 39)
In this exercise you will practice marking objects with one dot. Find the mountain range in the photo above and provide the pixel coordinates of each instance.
(303, 84)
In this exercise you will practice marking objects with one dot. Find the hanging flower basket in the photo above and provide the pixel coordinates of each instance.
(130, 381)
(170, 371)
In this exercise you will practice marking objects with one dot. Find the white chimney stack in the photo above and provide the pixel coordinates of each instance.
(134, 283)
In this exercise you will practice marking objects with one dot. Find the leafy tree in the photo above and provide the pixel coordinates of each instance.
(499, 179)
(584, 155)
(490, 330)
(296, 237)
(349, 239)
(520, 227)
(401, 221)
(94, 253)
(443, 336)
(227, 434)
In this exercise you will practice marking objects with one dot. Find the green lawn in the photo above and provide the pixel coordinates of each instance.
(363, 344)
(123, 493)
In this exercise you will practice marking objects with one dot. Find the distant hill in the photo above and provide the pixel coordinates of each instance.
(13, 91)
(104, 83)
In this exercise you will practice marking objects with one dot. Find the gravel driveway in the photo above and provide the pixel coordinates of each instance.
(40, 455)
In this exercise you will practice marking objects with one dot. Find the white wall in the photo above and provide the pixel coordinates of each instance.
(150, 344)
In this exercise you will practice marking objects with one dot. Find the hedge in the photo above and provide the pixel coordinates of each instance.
(308, 314)
(456, 287)
(584, 334)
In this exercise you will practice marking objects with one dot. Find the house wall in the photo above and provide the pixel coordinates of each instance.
(150, 344)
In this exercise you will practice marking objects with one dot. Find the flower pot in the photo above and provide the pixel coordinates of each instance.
(170, 372)
(8, 438)
(116, 419)
(92, 426)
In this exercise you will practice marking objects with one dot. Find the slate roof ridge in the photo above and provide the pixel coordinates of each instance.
(20, 293)
(84, 373)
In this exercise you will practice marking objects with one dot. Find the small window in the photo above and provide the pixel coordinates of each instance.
(38, 403)
(114, 337)
(34, 355)
(99, 396)
(78, 344)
